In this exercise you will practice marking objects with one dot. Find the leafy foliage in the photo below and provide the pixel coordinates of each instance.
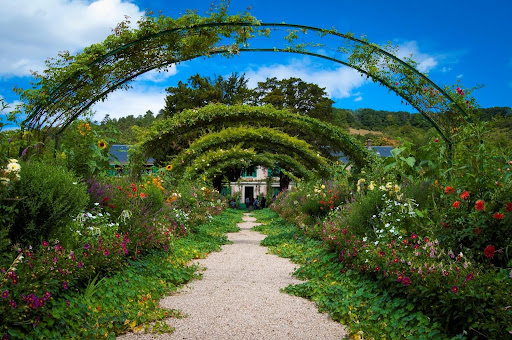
(45, 207)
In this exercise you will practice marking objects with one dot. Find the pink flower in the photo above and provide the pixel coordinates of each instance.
(455, 289)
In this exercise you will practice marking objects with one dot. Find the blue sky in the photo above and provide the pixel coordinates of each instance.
(468, 41)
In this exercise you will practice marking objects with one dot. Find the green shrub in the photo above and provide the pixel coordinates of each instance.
(50, 197)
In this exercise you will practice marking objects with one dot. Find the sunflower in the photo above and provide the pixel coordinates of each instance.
(102, 144)
(168, 167)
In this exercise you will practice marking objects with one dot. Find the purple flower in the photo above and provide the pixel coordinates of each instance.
(65, 285)
(5, 294)
(87, 246)
(24, 152)
(47, 296)
(13, 304)
(45, 244)
(106, 252)
(80, 264)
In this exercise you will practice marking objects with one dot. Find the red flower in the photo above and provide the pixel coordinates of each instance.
(498, 216)
(478, 230)
(480, 205)
(395, 260)
(406, 281)
(489, 251)
(509, 206)
(456, 204)
(464, 195)
(449, 190)
(455, 289)
(469, 277)
(134, 189)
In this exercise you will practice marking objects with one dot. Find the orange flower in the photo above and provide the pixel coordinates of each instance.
(464, 195)
(168, 167)
(449, 190)
(480, 205)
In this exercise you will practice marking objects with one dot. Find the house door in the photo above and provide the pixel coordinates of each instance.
(249, 192)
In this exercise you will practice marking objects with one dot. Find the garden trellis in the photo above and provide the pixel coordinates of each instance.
(72, 84)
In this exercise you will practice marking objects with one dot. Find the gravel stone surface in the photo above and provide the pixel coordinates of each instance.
(239, 298)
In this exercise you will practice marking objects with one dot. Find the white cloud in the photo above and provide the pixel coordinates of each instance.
(338, 82)
(459, 76)
(38, 29)
(446, 69)
(136, 101)
(425, 62)
(358, 99)
(158, 77)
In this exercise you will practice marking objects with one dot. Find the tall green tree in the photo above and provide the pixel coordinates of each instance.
(199, 91)
(296, 95)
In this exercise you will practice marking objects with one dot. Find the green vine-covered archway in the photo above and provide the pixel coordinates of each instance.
(71, 84)
(159, 138)
(260, 139)
(214, 162)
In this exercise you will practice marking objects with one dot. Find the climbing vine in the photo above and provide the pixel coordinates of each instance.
(326, 138)
(72, 83)
(214, 162)
(260, 139)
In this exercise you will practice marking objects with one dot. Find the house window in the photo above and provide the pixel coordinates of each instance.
(225, 191)
(249, 172)
(274, 172)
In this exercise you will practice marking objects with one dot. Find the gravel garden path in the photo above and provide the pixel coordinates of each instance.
(239, 298)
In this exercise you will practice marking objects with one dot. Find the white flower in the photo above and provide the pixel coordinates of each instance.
(13, 167)
(12, 160)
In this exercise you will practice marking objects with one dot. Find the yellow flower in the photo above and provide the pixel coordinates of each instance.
(372, 185)
(168, 167)
(102, 144)
(323, 186)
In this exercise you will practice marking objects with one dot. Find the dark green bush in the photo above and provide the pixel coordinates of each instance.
(50, 197)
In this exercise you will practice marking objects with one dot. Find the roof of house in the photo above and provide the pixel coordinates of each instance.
(382, 151)
(120, 152)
